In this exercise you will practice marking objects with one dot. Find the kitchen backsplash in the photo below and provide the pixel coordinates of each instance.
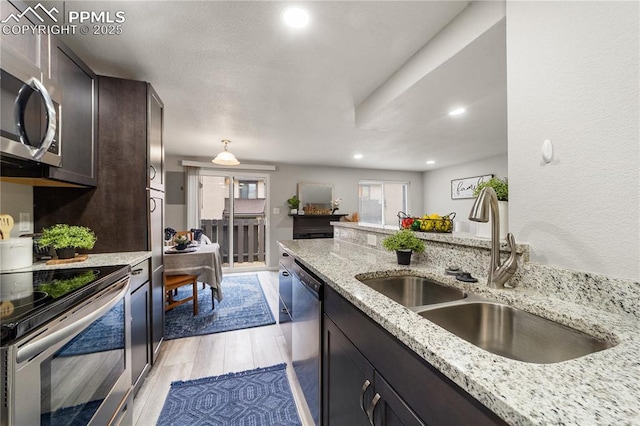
(472, 254)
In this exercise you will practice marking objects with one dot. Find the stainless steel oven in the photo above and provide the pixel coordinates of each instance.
(30, 114)
(76, 368)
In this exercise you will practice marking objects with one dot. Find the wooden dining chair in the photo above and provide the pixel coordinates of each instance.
(189, 234)
(173, 282)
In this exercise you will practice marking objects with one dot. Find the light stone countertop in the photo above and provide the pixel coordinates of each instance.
(100, 259)
(600, 388)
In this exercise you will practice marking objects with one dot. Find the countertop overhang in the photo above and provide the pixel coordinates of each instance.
(600, 388)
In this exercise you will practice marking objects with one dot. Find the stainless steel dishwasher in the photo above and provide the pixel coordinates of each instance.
(307, 329)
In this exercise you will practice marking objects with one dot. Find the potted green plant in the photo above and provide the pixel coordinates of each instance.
(404, 243)
(294, 203)
(181, 242)
(501, 187)
(65, 239)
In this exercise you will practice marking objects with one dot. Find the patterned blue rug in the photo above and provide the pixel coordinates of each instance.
(260, 397)
(243, 306)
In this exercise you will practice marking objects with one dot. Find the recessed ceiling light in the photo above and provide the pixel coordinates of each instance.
(457, 111)
(358, 156)
(431, 162)
(295, 17)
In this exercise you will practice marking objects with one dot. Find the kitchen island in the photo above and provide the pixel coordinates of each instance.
(600, 388)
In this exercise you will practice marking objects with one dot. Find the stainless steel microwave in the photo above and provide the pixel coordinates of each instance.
(30, 113)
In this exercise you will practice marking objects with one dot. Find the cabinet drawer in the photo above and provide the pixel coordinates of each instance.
(139, 274)
(285, 258)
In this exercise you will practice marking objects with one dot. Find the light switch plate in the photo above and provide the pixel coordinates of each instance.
(371, 239)
(276, 210)
(25, 222)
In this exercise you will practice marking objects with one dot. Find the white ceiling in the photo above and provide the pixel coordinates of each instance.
(232, 70)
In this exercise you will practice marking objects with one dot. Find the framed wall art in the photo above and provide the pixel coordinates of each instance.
(463, 188)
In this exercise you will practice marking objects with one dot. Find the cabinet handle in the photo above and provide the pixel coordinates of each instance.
(136, 271)
(285, 254)
(371, 412)
(365, 386)
(153, 209)
(155, 172)
(286, 274)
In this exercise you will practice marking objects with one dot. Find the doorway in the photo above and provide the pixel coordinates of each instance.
(233, 213)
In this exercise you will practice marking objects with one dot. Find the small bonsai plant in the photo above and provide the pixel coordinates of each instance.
(501, 186)
(65, 239)
(294, 203)
(404, 243)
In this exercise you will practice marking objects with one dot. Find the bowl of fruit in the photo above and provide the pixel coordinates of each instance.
(428, 223)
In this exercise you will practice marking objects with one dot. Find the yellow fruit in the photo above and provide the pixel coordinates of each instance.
(434, 216)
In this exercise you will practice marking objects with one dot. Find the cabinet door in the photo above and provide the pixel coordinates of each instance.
(78, 121)
(388, 409)
(29, 47)
(140, 334)
(348, 380)
(155, 139)
(156, 241)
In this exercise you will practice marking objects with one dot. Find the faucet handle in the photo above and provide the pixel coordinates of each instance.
(511, 242)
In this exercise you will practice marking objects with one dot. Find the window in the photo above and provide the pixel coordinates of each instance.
(379, 202)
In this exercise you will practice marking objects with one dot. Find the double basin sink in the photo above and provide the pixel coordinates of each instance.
(492, 326)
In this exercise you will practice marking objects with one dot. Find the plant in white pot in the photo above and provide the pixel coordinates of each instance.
(294, 203)
(501, 187)
(65, 239)
(404, 243)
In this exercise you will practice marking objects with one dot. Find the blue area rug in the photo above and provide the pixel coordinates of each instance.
(105, 334)
(243, 306)
(260, 397)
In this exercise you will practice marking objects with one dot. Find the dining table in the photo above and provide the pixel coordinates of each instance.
(203, 260)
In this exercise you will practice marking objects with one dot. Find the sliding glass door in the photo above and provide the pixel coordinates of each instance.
(233, 213)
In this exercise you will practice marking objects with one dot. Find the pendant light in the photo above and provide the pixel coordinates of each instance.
(226, 158)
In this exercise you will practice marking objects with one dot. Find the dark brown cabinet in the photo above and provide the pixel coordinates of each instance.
(79, 118)
(140, 324)
(354, 393)
(124, 211)
(370, 377)
(156, 221)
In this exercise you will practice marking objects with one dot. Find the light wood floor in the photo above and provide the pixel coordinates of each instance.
(214, 354)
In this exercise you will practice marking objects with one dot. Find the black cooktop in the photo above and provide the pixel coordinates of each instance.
(30, 299)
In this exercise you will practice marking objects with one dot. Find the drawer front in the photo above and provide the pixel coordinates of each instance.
(139, 274)
(285, 258)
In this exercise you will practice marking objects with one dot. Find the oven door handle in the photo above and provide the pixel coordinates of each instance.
(36, 348)
(21, 102)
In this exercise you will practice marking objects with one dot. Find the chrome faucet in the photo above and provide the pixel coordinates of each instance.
(498, 274)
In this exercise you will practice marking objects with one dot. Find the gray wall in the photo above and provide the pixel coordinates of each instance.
(573, 71)
(437, 186)
(283, 184)
(16, 199)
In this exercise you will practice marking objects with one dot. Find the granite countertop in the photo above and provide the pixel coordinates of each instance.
(600, 388)
(100, 259)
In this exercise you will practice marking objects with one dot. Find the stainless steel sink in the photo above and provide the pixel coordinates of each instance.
(513, 333)
(412, 291)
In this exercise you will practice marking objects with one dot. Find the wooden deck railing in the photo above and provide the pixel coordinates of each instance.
(248, 238)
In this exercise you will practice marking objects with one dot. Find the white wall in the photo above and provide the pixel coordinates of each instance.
(573, 78)
(283, 184)
(16, 199)
(437, 186)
